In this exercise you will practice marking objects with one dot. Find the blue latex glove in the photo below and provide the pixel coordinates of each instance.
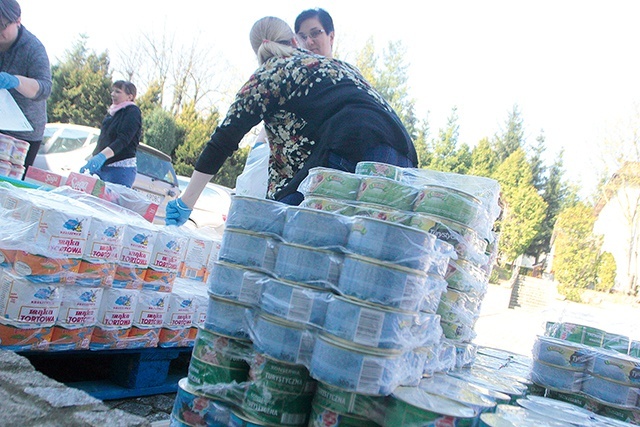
(8, 81)
(177, 213)
(94, 164)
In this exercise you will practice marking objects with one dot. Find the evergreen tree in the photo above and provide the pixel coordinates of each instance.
(391, 80)
(81, 91)
(538, 169)
(513, 136)
(366, 62)
(420, 143)
(446, 144)
(393, 83)
(151, 99)
(524, 208)
(196, 132)
(484, 159)
(445, 154)
(555, 194)
(159, 130)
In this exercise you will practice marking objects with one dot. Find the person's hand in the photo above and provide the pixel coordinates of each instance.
(177, 213)
(8, 81)
(94, 164)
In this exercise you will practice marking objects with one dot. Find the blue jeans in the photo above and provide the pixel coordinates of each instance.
(118, 175)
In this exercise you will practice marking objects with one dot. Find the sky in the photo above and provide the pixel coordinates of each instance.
(571, 66)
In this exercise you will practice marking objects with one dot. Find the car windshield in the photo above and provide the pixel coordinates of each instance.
(155, 167)
(68, 140)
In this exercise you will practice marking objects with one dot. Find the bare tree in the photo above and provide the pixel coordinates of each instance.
(186, 72)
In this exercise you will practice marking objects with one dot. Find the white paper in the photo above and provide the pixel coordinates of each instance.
(11, 116)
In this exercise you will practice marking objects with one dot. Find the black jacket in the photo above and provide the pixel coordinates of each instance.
(121, 132)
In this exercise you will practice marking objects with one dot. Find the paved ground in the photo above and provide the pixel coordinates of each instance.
(498, 326)
(516, 329)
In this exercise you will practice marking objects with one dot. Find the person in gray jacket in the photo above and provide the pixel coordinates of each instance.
(25, 72)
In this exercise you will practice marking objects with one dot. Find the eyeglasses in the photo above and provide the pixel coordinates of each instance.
(313, 34)
(4, 25)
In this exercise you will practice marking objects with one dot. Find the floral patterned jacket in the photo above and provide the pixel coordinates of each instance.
(311, 106)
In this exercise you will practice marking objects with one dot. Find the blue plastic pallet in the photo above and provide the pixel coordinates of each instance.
(115, 374)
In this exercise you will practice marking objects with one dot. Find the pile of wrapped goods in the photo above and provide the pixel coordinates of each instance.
(355, 308)
(589, 367)
(13, 153)
(79, 272)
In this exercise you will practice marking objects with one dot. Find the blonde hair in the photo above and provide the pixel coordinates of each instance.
(271, 36)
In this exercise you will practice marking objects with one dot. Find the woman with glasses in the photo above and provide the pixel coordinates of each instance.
(317, 111)
(25, 73)
(314, 28)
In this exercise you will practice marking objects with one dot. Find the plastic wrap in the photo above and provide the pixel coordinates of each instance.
(519, 418)
(318, 268)
(562, 353)
(384, 283)
(487, 190)
(557, 410)
(458, 307)
(330, 183)
(387, 192)
(466, 277)
(467, 243)
(295, 302)
(385, 241)
(227, 317)
(181, 309)
(168, 252)
(440, 357)
(361, 369)
(217, 359)
(385, 170)
(341, 207)
(77, 318)
(191, 407)
(256, 215)
(28, 311)
(318, 229)
(284, 340)
(148, 318)
(137, 247)
(492, 380)
(200, 254)
(249, 249)
(115, 317)
(236, 282)
(377, 326)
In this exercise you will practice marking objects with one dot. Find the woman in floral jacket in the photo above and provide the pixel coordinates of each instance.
(317, 111)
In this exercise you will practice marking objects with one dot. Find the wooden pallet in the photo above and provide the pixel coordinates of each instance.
(115, 374)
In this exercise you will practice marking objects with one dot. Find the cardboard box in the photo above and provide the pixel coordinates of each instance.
(87, 184)
(43, 178)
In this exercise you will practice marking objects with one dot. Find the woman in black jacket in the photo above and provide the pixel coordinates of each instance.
(114, 159)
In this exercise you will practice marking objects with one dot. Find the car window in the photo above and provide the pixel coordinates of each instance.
(69, 140)
(49, 131)
(155, 167)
